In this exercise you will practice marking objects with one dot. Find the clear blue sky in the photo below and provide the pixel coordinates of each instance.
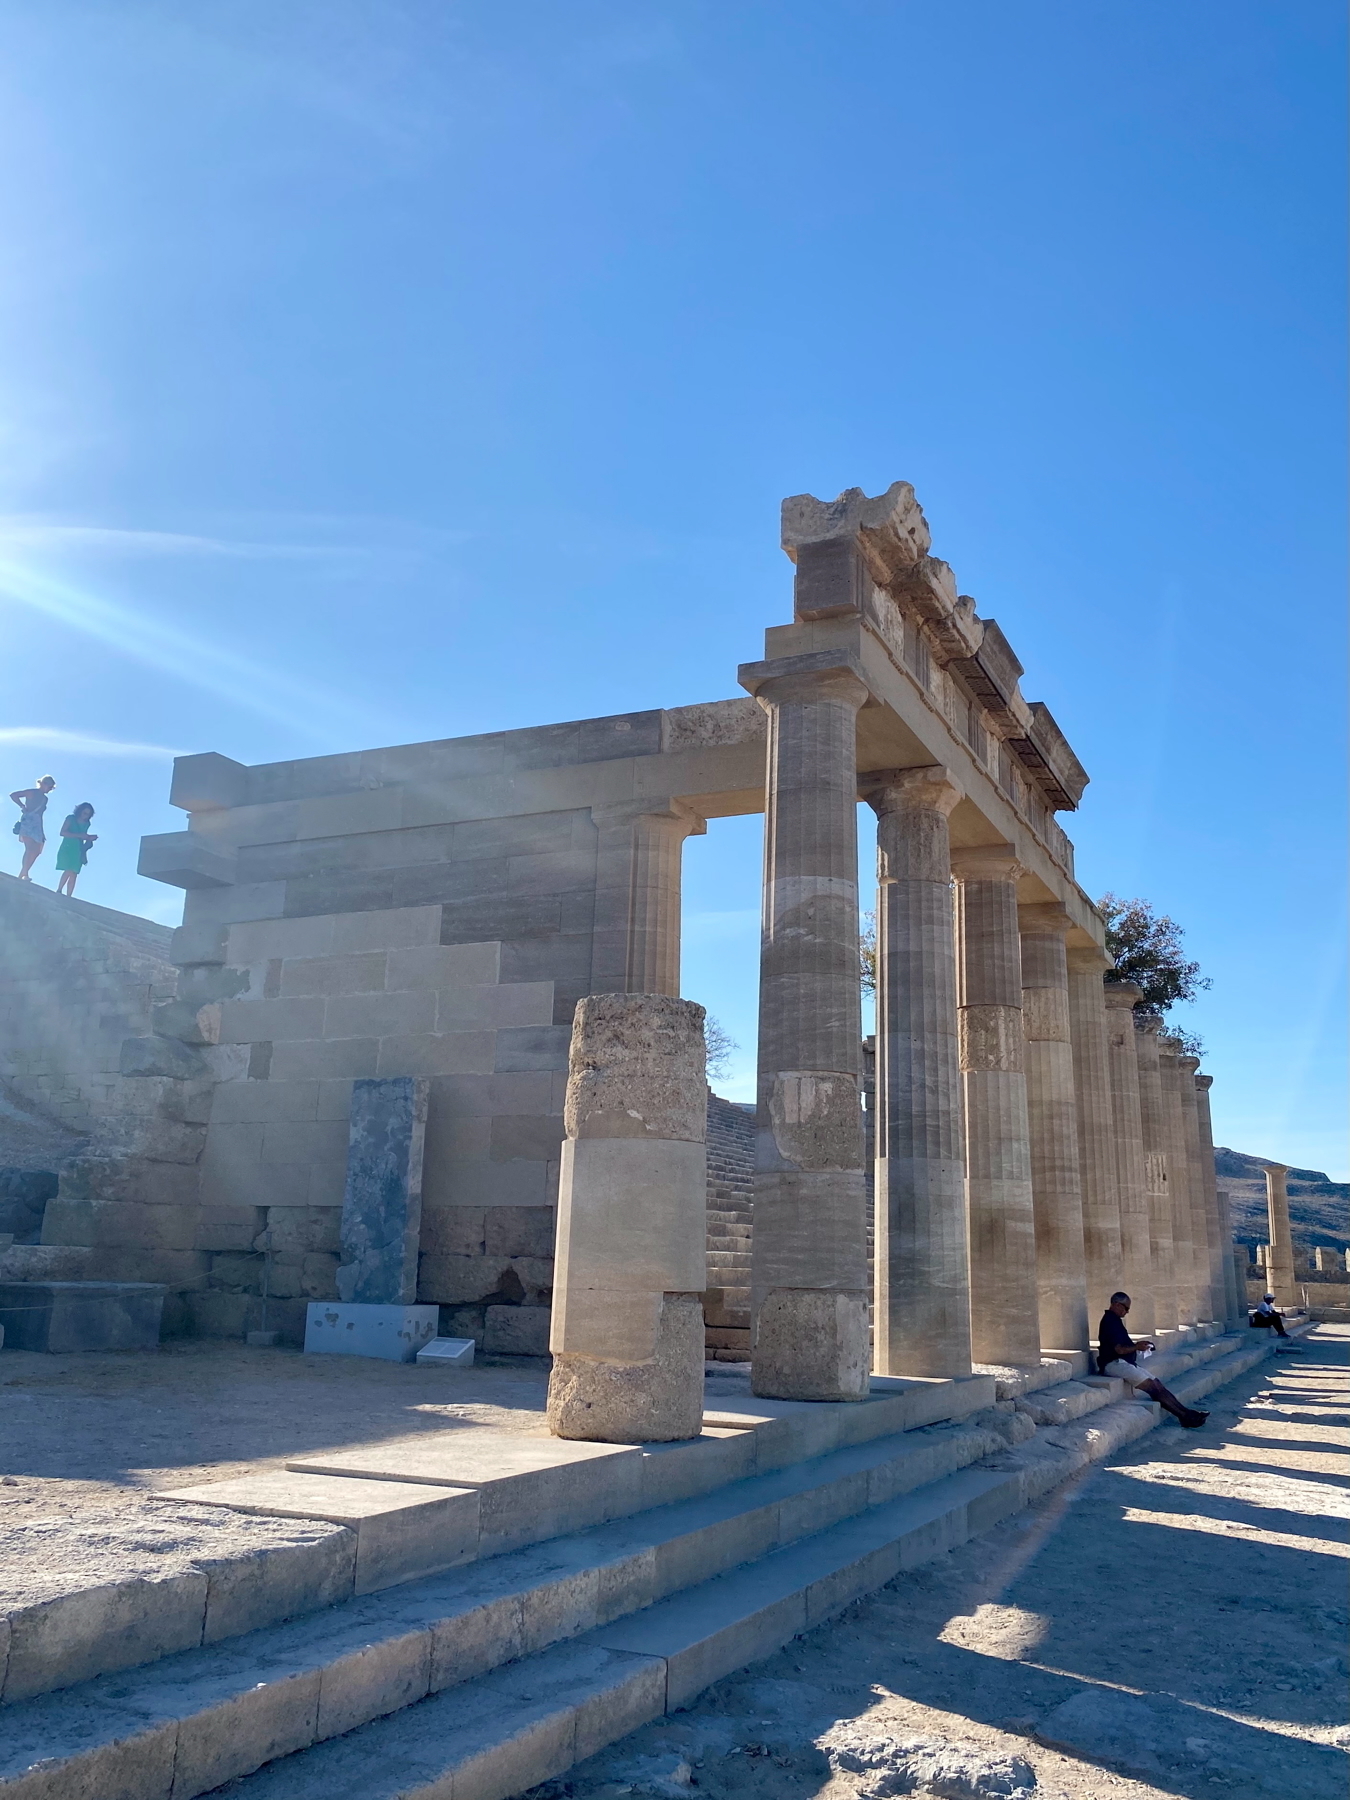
(375, 372)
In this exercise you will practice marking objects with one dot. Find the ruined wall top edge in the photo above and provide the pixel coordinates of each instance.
(209, 781)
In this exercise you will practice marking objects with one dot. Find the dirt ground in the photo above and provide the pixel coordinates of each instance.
(1172, 1623)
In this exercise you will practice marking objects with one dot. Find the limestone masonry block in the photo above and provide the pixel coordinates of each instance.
(627, 1334)
(516, 1331)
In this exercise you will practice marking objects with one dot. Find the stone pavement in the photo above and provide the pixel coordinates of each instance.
(1172, 1623)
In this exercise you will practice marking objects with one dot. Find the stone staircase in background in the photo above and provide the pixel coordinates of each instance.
(731, 1173)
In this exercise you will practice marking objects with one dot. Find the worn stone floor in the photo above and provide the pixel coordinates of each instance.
(1172, 1623)
(104, 1429)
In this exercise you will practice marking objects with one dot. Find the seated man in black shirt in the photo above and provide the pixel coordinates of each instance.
(1116, 1353)
(1268, 1317)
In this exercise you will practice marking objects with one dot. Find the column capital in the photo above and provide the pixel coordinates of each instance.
(1273, 1168)
(628, 812)
(986, 862)
(1189, 1064)
(1149, 1024)
(1122, 996)
(1088, 959)
(1044, 920)
(822, 675)
(929, 788)
(1204, 1082)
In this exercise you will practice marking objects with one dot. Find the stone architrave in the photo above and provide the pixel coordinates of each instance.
(1209, 1273)
(382, 1204)
(1052, 1115)
(1104, 1270)
(1280, 1250)
(1136, 1251)
(1234, 1297)
(922, 1308)
(810, 1328)
(1161, 1254)
(1186, 1254)
(627, 1327)
(1004, 1305)
(636, 941)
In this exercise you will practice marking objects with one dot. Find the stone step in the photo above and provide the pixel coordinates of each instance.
(212, 1714)
(395, 1512)
(496, 1734)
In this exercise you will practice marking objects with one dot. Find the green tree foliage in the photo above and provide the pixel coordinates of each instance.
(867, 953)
(1146, 948)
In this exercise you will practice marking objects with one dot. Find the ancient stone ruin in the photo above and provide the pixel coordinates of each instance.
(433, 914)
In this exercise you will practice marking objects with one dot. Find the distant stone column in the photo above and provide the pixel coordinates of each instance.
(1161, 1253)
(921, 1322)
(1052, 1115)
(627, 1327)
(1004, 1305)
(636, 942)
(1240, 1259)
(1186, 1254)
(1104, 1272)
(809, 1260)
(1280, 1251)
(1227, 1292)
(1209, 1273)
(1136, 1251)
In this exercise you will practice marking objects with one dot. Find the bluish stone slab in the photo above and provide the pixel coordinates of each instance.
(382, 1207)
(392, 1333)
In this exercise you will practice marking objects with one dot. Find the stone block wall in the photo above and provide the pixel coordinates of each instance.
(324, 999)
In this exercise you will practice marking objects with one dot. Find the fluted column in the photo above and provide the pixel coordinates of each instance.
(1209, 1275)
(1052, 1118)
(1103, 1269)
(1241, 1261)
(1161, 1255)
(921, 1318)
(809, 1264)
(1234, 1299)
(1004, 1305)
(637, 897)
(1127, 1130)
(1280, 1255)
(1185, 1253)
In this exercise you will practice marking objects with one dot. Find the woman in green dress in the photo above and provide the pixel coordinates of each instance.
(76, 838)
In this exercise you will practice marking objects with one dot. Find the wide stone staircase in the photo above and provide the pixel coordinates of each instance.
(483, 1609)
(731, 1173)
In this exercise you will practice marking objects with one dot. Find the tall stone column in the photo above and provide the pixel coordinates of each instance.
(1185, 1254)
(1280, 1254)
(1234, 1299)
(1209, 1273)
(1127, 1129)
(627, 1327)
(637, 895)
(809, 1264)
(1004, 1304)
(1161, 1255)
(1241, 1261)
(1052, 1116)
(1104, 1271)
(921, 1320)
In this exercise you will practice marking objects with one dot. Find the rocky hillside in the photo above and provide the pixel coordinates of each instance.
(1319, 1208)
